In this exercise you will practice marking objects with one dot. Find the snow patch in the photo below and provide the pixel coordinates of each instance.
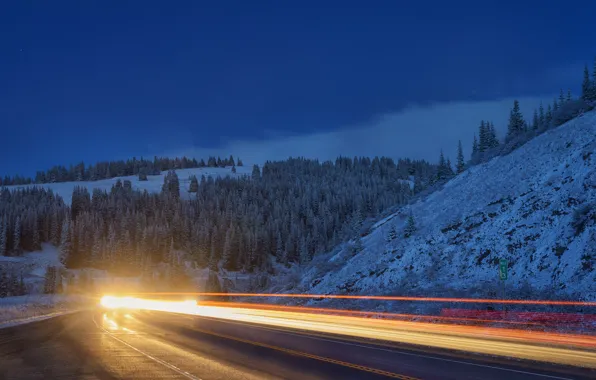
(31, 308)
(152, 185)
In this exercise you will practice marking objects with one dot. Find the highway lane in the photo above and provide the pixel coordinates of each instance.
(88, 345)
(156, 345)
(404, 360)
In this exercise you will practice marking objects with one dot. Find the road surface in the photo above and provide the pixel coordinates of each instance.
(155, 345)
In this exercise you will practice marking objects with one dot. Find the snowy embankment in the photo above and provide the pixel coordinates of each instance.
(35, 306)
(152, 185)
(535, 207)
(31, 308)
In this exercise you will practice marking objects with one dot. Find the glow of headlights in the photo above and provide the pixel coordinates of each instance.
(112, 302)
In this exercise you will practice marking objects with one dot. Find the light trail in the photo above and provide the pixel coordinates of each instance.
(378, 298)
(569, 349)
(366, 314)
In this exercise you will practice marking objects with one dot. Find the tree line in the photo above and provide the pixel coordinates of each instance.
(285, 212)
(111, 169)
(486, 143)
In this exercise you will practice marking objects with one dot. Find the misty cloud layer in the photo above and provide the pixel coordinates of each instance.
(415, 132)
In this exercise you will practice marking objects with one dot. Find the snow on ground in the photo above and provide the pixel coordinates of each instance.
(36, 306)
(518, 207)
(33, 265)
(31, 308)
(153, 183)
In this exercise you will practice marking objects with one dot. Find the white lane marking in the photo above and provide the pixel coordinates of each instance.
(157, 360)
(399, 352)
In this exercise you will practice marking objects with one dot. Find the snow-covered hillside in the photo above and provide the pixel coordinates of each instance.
(153, 183)
(36, 305)
(33, 266)
(527, 207)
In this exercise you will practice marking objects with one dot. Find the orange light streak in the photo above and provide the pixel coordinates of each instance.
(569, 349)
(384, 315)
(383, 298)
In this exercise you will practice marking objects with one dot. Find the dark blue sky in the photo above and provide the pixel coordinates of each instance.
(110, 79)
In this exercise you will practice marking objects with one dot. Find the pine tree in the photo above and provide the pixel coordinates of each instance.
(593, 95)
(555, 105)
(355, 223)
(3, 237)
(49, 286)
(586, 85)
(483, 133)
(227, 249)
(442, 170)
(460, 166)
(280, 254)
(55, 229)
(171, 184)
(16, 240)
(516, 121)
(194, 184)
(450, 172)
(66, 243)
(36, 238)
(549, 115)
(410, 226)
(4, 283)
(569, 95)
(475, 146)
(303, 252)
(213, 259)
(561, 98)
(111, 244)
(494, 141)
(13, 286)
(96, 248)
(126, 250)
(169, 256)
(256, 172)
(541, 117)
(535, 121)
(392, 235)
(58, 281)
(418, 185)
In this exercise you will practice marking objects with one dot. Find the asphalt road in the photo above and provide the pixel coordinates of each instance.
(154, 345)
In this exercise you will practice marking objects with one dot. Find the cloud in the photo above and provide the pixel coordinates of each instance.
(566, 77)
(418, 132)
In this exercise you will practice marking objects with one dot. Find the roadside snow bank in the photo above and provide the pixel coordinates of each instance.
(26, 309)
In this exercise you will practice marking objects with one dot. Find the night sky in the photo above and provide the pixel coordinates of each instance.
(95, 80)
